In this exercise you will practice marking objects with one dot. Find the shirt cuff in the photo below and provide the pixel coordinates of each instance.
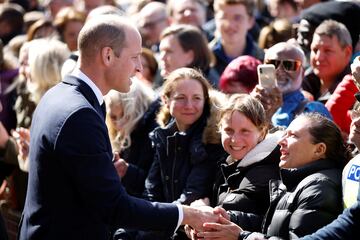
(181, 216)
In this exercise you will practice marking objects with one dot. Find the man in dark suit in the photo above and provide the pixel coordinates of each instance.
(74, 191)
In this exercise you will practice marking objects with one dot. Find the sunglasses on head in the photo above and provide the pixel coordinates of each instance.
(288, 65)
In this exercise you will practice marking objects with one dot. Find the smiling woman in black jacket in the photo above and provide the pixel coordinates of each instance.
(309, 196)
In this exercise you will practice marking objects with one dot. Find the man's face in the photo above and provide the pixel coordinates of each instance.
(150, 26)
(172, 55)
(289, 71)
(122, 68)
(71, 33)
(327, 57)
(188, 12)
(233, 22)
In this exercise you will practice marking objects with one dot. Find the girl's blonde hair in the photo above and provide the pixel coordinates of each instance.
(46, 57)
(134, 104)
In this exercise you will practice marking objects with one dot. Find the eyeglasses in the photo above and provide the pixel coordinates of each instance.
(289, 65)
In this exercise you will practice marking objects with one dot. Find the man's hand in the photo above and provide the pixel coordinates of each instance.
(271, 99)
(355, 70)
(196, 217)
(223, 230)
(222, 212)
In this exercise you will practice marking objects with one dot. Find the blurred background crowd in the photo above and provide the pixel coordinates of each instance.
(174, 132)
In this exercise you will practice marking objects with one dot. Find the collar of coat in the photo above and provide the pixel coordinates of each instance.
(292, 177)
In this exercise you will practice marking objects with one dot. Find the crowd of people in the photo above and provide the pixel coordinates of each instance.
(146, 119)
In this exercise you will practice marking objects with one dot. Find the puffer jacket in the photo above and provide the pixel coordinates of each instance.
(306, 199)
(183, 167)
(243, 186)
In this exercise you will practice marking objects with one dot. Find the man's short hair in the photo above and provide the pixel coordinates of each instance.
(170, 6)
(250, 5)
(332, 28)
(286, 47)
(102, 31)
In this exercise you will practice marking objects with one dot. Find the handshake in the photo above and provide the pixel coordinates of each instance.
(210, 223)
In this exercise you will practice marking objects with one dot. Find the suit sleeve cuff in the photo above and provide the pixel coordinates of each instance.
(181, 216)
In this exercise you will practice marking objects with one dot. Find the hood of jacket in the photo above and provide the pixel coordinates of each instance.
(260, 151)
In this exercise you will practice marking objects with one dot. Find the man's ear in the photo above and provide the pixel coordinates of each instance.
(348, 51)
(106, 55)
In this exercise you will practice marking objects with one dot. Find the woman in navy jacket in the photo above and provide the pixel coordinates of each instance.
(187, 146)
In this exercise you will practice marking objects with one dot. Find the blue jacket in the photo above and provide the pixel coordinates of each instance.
(222, 60)
(293, 105)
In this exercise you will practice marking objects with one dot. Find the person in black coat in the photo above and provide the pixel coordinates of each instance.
(187, 146)
(253, 160)
(131, 117)
(309, 195)
(243, 178)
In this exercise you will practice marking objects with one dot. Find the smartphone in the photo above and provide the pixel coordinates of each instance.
(266, 75)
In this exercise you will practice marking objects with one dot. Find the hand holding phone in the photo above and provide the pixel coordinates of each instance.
(266, 75)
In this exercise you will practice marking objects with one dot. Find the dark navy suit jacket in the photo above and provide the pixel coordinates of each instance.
(74, 191)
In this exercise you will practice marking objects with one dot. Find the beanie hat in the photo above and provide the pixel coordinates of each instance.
(242, 69)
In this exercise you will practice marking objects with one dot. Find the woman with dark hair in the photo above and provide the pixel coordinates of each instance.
(309, 196)
(149, 73)
(185, 46)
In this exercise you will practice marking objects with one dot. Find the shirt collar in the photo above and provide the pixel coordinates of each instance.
(79, 74)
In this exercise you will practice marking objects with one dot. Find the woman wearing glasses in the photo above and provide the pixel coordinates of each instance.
(285, 101)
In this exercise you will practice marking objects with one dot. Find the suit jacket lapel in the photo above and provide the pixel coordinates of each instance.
(86, 91)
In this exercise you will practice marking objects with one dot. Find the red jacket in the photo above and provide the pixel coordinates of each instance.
(342, 101)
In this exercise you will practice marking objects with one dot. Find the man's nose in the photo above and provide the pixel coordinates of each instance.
(139, 66)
